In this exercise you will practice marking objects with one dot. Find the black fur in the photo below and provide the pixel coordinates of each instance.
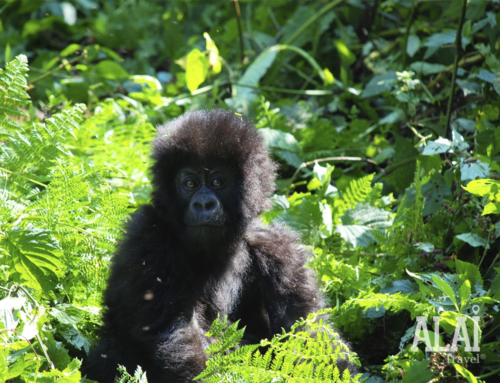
(166, 286)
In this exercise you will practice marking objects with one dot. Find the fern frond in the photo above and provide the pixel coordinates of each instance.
(304, 354)
(358, 191)
(13, 94)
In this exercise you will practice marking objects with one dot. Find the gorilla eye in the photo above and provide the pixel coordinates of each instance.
(190, 184)
(217, 182)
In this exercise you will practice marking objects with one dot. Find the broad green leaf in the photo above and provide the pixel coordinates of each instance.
(441, 38)
(7, 53)
(294, 22)
(34, 255)
(71, 374)
(111, 70)
(470, 170)
(15, 369)
(213, 54)
(449, 321)
(458, 144)
(32, 323)
(465, 373)
(74, 337)
(69, 12)
(348, 58)
(365, 214)
(446, 289)
(466, 124)
(70, 49)
(474, 240)
(307, 218)
(358, 223)
(259, 67)
(483, 187)
(196, 69)
(314, 184)
(417, 371)
(289, 157)
(329, 76)
(486, 300)
(424, 246)
(464, 293)
(437, 40)
(356, 235)
(403, 286)
(278, 139)
(469, 87)
(479, 25)
(495, 285)
(468, 271)
(8, 312)
(323, 173)
(379, 84)
(111, 53)
(436, 190)
(486, 75)
(150, 81)
(496, 81)
(413, 45)
(425, 68)
(67, 315)
(441, 145)
(492, 208)
(243, 95)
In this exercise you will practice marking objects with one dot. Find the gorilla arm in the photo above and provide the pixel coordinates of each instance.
(290, 291)
(143, 309)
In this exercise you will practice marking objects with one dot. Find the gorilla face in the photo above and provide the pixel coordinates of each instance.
(209, 209)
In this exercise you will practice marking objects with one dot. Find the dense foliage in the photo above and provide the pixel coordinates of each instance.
(383, 115)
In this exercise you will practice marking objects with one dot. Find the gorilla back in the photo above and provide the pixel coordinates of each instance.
(199, 250)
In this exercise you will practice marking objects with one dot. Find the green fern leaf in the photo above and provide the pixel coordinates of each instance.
(13, 85)
(358, 191)
(35, 256)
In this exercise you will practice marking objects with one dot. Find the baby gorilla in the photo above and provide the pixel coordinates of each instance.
(198, 250)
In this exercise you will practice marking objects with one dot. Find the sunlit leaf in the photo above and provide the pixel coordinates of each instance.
(196, 69)
(35, 256)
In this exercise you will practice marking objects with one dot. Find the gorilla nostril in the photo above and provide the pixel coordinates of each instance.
(198, 206)
(210, 205)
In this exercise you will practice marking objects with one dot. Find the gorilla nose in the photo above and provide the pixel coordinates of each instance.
(205, 204)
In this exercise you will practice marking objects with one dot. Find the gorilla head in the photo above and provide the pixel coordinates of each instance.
(221, 174)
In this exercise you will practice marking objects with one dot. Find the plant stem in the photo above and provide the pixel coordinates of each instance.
(391, 168)
(492, 264)
(464, 61)
(372, 16)
(26, 178)
(240, 32)
(458, 50)
(306, 25)
(407, 34)
(50, 72)
(492, 373)
(308, 92)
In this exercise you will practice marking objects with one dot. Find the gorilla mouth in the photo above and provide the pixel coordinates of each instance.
(206, 225)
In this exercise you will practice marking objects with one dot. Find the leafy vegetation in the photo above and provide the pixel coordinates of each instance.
(383, 116)
(304, 354)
